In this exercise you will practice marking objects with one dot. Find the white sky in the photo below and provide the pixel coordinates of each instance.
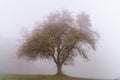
(104, 15)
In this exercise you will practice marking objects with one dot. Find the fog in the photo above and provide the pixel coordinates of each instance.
(15, 16)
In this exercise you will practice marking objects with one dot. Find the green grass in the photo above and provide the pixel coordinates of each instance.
(38, 77)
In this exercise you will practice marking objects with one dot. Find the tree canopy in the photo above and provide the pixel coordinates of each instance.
(60, 37)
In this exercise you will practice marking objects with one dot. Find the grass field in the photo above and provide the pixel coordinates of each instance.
(38, 77)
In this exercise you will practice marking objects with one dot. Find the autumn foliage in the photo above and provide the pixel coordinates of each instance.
(60, 38)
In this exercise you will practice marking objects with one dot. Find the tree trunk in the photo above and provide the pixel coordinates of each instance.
(59, 70)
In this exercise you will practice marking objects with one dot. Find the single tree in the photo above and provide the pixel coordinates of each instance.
(60, 38)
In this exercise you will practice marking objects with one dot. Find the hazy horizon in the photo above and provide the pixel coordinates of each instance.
(16, 16)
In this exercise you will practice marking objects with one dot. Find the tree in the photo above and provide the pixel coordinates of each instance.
(60, 38)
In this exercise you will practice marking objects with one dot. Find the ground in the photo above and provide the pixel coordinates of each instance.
(38, 77)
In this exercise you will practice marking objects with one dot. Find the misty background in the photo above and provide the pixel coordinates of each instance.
(17, 16)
